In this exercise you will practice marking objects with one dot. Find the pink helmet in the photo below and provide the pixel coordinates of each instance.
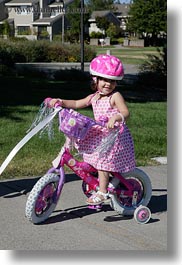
(107, 66)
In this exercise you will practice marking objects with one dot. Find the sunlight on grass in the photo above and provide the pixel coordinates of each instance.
(147, 124)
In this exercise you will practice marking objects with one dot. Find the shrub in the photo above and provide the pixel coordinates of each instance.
(9, 53)
(56, 53)
(154, 71)
(35, 51)
(96, 35)
(42, 51)
(121, 41)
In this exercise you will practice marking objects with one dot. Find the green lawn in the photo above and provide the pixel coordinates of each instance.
(129, 55)
(19, 103)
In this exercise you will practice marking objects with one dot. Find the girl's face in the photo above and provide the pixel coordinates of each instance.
(105, 86)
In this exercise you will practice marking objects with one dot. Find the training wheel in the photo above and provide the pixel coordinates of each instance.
(142, 214)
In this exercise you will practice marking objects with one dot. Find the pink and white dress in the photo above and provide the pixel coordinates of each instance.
(120, 157)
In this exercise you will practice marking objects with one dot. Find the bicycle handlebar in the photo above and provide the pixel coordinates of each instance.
(47, 100)
(102, 122)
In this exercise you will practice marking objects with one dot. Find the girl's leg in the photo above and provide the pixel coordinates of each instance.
(101, 195)
(103, 180)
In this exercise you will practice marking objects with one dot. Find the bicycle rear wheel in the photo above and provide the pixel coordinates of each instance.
(123, 204)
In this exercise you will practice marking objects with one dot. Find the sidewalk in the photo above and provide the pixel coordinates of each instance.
(73, 226)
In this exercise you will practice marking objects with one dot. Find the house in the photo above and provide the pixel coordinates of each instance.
(118, 17)
(35, 19)
(102, 13)
(122, 14)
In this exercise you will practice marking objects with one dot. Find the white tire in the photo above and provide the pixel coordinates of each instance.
(142, 214)
(37, 209)
(123, 205)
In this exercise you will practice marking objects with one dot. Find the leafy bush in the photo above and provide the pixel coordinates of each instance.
(34, 51)
(154, 71)
(41, 51)
(57, 53)
(96, 35)
(9, 53)
(121, 41)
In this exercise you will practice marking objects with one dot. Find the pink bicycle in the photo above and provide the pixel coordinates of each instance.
(129, 193)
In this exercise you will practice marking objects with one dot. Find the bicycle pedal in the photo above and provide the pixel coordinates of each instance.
(95, 207)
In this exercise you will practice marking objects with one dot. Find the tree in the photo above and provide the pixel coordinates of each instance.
(148, 17)
(112, 31)
(102, 23)
(155, 69)
(96, 5)
(6, 29)
(73, 16)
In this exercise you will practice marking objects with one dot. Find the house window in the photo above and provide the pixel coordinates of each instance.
(54, 12)
(42, 32)
(23, 10)
(42, 29)
(23, 30)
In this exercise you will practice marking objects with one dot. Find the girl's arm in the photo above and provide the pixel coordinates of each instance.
(71, 104)
(117, 101)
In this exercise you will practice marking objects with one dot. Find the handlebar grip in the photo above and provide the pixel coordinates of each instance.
(47, 100)
(57, 105)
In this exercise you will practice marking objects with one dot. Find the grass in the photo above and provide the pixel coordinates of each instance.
(129, 55)
(19, 104)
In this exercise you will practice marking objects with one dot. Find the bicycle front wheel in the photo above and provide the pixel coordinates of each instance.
(42, 199)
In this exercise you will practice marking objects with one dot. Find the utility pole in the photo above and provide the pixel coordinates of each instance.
(62, 10)
(82, 35)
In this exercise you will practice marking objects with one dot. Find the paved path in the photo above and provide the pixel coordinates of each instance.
(73, 226)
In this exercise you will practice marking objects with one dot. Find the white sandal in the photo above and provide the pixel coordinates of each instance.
(98, 198)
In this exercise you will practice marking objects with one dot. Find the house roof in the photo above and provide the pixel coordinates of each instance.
(104, 13)
(122, 9)
(100, 13)
(24, 2)
(46, 20)
(59, 2)
(21, 2)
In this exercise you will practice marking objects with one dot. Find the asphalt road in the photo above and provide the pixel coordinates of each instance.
(73, 226)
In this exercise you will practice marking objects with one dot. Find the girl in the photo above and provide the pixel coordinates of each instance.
(108, 105)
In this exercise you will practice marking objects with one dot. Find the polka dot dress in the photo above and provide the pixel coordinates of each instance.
(120, 156)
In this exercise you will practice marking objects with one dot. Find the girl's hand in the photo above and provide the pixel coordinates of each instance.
(53, 101)
(111, 122)
(116, 118)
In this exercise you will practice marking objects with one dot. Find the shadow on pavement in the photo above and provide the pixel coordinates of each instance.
(18, 187)
(15, 188)
(158, 203)
(73, 213)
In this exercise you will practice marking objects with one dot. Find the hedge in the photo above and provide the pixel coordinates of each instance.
(42, 51)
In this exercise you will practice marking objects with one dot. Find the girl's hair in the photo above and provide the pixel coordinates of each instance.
(93, 83)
